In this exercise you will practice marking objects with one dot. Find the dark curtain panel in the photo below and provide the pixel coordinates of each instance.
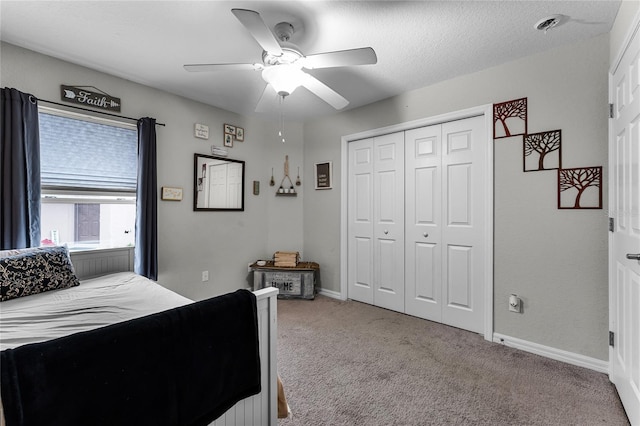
(19, 170)
(146, 251)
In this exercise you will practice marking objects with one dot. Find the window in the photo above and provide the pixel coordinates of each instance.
(88, 174)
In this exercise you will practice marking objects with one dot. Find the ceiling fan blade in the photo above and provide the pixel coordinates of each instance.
(267, 99)
(223, 67)
(255, 25)
(341, 58)
(324, 92)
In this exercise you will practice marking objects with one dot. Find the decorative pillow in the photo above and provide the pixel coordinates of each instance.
(34, 271)
(13, 252)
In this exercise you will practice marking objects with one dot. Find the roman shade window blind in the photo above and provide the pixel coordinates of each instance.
(80, 154)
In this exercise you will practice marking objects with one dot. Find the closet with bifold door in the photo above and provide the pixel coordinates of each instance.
(416, 218)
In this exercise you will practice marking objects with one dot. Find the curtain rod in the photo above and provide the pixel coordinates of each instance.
(91, 110)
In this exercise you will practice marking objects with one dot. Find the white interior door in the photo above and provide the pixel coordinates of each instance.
(388, 229)
(217, 185)
(445, 223)
(624, 241)
(360, 221)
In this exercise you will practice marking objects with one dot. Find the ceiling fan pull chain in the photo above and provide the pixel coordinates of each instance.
(281, 132)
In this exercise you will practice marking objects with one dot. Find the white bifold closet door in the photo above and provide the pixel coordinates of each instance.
(376, 221)
(416, 219)
(445, 208)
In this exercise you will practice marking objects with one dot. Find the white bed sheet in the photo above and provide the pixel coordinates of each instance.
(94, 303)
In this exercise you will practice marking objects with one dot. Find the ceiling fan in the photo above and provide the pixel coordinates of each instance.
(282, 62)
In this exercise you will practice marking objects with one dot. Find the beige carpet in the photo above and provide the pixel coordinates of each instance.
(348, 363)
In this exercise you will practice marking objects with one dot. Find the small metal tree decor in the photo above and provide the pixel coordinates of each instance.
(510, 118)
(542, 151)
(580, 188)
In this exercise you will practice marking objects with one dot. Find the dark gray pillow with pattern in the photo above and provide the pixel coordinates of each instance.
(36, 271)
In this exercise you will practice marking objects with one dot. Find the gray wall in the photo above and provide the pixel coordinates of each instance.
(628, 11)
(556, 260)
(190, 242)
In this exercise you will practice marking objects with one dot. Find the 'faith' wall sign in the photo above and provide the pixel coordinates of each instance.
(80, 95)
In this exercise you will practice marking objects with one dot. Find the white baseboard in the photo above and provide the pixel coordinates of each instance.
(553, 353)
(330, 293)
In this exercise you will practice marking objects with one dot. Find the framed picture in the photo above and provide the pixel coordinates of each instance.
(323, 175)
(239, 134)
(201, 131)
(228, 139)
(228, 128)
(170, 193)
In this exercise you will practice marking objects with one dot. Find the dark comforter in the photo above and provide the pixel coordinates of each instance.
(184, 366)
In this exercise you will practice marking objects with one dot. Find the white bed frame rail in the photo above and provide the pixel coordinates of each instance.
(261, 409)
(93, 263)
(257, 410)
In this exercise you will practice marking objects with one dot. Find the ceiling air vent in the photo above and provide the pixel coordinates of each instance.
(545, 24)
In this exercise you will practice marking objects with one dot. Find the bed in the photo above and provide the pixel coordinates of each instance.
(98, 343)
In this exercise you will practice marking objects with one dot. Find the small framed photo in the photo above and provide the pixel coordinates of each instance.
(170, 193)
(201, 131)
(239, 134)
(228, 128)
(323, 175)
(228, 139)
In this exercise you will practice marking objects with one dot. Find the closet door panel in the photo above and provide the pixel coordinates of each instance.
(465, 148)
(388, 213)
(423, 222)
(387, 267)
(362, 279)
(459, 278)
(459, 195)
(360, 219)
(427, 284)
(363, 184)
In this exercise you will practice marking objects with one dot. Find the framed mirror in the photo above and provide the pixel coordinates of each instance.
(218, 183)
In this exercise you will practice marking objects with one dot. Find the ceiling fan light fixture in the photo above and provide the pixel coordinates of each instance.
(284, 78)
(282, 61)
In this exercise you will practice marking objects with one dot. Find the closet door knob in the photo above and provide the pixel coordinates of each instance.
(386, 231)
(425, 235)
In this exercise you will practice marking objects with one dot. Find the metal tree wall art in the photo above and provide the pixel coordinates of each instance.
(542, 151)
(510, 118)
(580, 188)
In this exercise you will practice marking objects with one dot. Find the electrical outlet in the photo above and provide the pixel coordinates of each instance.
(205, 276)
(515, 304)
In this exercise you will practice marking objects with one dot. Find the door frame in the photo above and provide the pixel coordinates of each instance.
(483, 110)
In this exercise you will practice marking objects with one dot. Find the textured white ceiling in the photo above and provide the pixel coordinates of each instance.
(418, 43)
